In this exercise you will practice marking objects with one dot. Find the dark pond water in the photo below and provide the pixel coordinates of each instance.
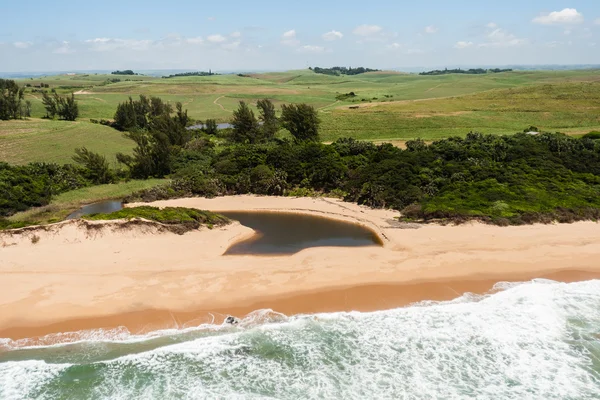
(103, 207)
(287, 233)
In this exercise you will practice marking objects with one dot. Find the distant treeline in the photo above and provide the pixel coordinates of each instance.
(199, 73)
(472, 71)
(337, 71)
(125, 72)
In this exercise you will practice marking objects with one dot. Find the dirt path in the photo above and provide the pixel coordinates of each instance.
(216, 102)
(327, 106)
(83, 92)
(435, 87)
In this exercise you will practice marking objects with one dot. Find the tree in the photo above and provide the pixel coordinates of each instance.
(211, 127)
(96, 164)
(50, 104)
(302, 122)
(268, 117)
(10, 99)
(65, 107)
(245, 125)
(68, 108)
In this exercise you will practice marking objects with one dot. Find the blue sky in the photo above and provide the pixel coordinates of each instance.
(278, 35)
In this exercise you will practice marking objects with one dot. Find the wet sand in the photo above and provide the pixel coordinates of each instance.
(75, 279)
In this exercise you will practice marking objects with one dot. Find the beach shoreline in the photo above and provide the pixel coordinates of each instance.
(147, 280)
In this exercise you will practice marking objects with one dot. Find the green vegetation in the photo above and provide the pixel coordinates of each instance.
(63, 204)
(498, 179)
(177, 219)
(279, 119)
(569, 107)
(125, 72)
(43, 140)
(199, 73)
(65, 107)
(473, 71)
(11, 96)
(337, 71)
(33, 185)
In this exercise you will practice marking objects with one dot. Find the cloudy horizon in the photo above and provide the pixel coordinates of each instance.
(260, 36)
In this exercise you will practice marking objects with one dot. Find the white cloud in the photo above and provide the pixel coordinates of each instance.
(567, 32)
(22, 45)
(236, 34)
(394, 46)
(312, 49)
(195, 40)
(492, 25)
(500, 38)
(107, 44)
(415, 51)
(431, 29)
(566, 16)
(333, 35)
(289, 38)
(64, 49)
(367, 30)
(597, 21)
(211, 18)
(289, 34)
(232, 46)
(463, 45)
(216, 38)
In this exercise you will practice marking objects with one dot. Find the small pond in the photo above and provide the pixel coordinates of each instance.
(219, 126)
(103, 207)
(288, 233)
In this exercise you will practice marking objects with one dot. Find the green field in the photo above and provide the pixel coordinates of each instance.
(24, 141)
(392, 106)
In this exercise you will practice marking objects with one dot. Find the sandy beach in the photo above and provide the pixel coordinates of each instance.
(74, 278)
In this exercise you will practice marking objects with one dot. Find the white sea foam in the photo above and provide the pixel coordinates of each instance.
(535, 340)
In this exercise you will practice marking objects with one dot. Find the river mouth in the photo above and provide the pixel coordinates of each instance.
(280, 233)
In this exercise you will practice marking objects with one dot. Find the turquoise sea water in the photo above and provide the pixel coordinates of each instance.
(535, 340)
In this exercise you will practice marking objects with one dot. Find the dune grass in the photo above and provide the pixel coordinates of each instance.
(177, 219)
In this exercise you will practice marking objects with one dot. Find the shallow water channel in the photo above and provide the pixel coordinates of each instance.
(102, 207)
(288, 233)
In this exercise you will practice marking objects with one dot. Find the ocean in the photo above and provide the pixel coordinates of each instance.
(532, 340)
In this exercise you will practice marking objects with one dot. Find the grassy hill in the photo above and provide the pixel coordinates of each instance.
(392, 106)
(24, 141)
(569, 107)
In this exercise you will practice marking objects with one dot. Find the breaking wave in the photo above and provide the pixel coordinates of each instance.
(539, 339)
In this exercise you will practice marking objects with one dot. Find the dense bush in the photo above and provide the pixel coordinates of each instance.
(501, 179)
(33, 185)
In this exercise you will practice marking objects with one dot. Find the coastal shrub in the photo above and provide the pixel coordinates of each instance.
(33, 185)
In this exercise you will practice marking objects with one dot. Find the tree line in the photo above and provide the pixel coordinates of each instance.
(199, 73)
(337, 71)
(472, 71)
(124, 72)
